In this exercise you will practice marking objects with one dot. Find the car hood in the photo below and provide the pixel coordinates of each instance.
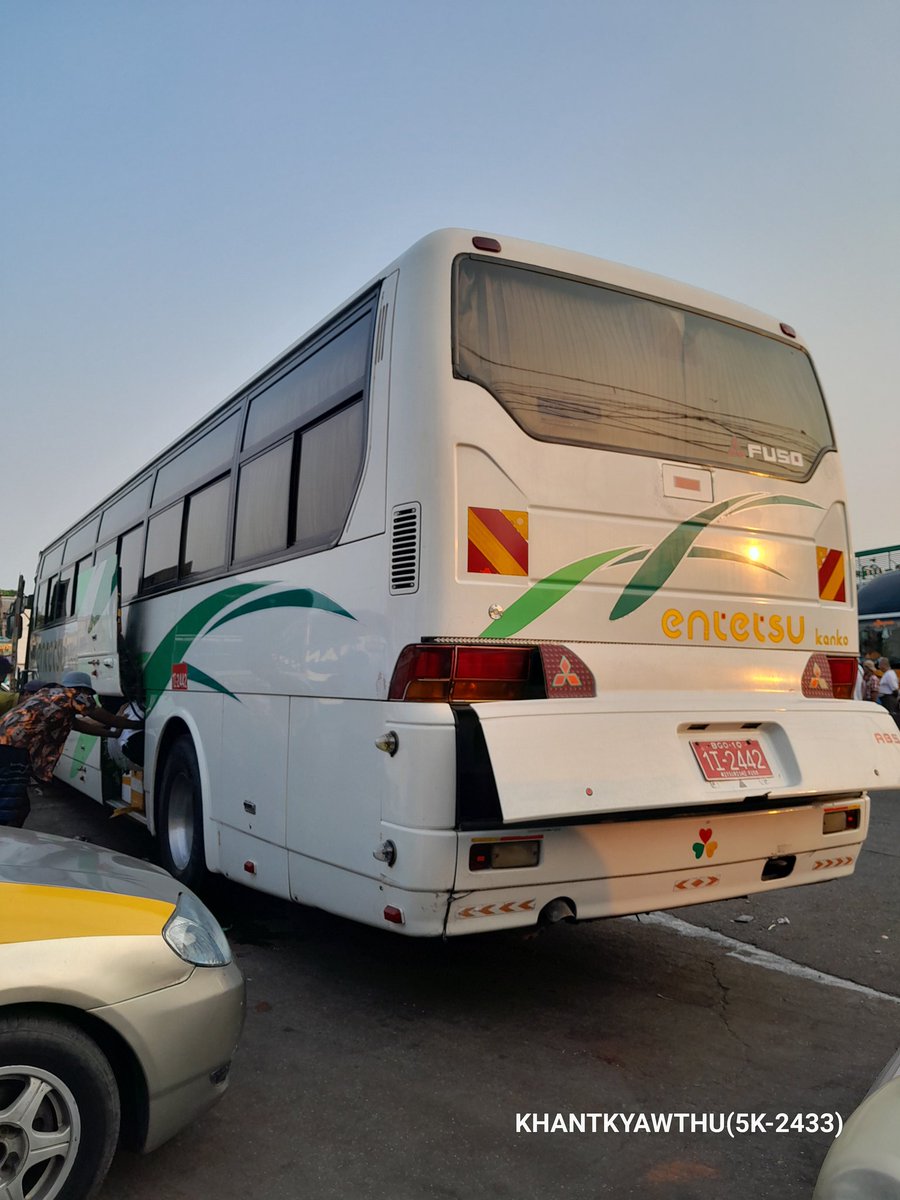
(43, 860)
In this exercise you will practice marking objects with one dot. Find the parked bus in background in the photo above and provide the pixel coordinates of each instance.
(879, 617)
(519, 589)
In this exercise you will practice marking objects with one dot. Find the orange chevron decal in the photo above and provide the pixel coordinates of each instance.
(826, 864)
(498, 541)
(706, 881)
(496, 910)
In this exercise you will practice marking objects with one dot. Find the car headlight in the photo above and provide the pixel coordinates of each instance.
(195, 935)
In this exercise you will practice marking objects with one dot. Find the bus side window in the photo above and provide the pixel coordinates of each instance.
(81, 567)
(206, 528)
(262, 503)
(331, 455)
(61, 601)
(163, 547)
(130, 545)
(42, 606)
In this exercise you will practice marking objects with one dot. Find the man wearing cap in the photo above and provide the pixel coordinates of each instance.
(33, 734)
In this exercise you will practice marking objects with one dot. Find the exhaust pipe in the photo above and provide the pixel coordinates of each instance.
(554, 912)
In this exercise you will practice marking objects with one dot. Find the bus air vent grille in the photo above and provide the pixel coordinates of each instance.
(405, 523)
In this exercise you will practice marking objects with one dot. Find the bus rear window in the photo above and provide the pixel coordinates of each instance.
(578, 363)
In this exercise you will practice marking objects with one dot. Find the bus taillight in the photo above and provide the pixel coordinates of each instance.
(473, 673)
(844, 668)
(830, 676)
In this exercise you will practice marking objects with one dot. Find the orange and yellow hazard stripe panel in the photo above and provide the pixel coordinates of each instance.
(498, 541)
(36, 913)
(832, 574)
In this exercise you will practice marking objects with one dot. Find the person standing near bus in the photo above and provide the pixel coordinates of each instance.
(32, 736)
(871, 681)
(888, 686)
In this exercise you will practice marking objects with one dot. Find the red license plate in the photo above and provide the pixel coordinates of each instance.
(732, 759)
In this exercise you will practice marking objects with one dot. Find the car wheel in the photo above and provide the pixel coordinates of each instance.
(180, 824)
(59, 1110)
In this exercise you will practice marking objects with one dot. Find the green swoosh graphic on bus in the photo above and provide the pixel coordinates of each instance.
(182, 635)
(656, 566)
(199, 676)
(81, 753)
(178, 641)
(296, 598)
(656, 569)
(549, 591)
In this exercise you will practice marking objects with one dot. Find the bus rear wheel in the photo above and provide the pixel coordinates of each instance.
(179, 829)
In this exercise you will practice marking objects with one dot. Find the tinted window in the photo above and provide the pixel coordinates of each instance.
(578, 363)
(42, 606)
(163, 546)
(330, 458)
(128, 548)
(205, 529)
(330, 375)
(126, 510)
(261, 526)
(61, 598)
(52, 560)
(81, 569)
(212, 452)
(130, 560)
(81, 542)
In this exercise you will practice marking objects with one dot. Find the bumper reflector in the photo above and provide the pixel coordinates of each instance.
(836, 820)
(497, 856)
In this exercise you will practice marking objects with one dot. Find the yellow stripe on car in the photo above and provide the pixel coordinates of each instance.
(33, 913)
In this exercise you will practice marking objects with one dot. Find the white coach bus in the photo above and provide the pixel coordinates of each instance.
(520, 589)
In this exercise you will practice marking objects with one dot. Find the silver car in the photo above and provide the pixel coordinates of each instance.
(864, 1162)
(120, 1009)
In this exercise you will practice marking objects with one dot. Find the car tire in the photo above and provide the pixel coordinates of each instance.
(56, 1089)
(179, 828)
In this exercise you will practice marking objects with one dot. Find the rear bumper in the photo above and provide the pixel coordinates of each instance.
(622, 867)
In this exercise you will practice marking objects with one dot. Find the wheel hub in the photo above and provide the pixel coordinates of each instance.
(40, 1132)
(13, 1149)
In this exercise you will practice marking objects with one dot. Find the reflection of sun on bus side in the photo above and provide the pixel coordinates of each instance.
(519, 589)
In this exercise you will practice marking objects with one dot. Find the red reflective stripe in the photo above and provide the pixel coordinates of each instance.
(505, 533)
(478, 563)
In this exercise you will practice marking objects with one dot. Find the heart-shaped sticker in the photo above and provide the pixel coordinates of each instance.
(705, 835)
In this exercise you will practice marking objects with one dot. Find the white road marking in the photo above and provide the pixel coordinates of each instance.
(760, 958)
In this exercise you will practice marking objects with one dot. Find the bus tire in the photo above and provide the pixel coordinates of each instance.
(179, 829)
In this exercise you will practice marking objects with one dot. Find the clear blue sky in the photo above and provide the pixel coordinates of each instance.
(189, 184)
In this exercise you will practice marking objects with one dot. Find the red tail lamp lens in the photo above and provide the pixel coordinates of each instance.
(469, 674)
(829, 677)
(844, 670)
(461, 673)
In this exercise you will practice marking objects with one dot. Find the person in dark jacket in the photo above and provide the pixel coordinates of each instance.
(32, 736)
